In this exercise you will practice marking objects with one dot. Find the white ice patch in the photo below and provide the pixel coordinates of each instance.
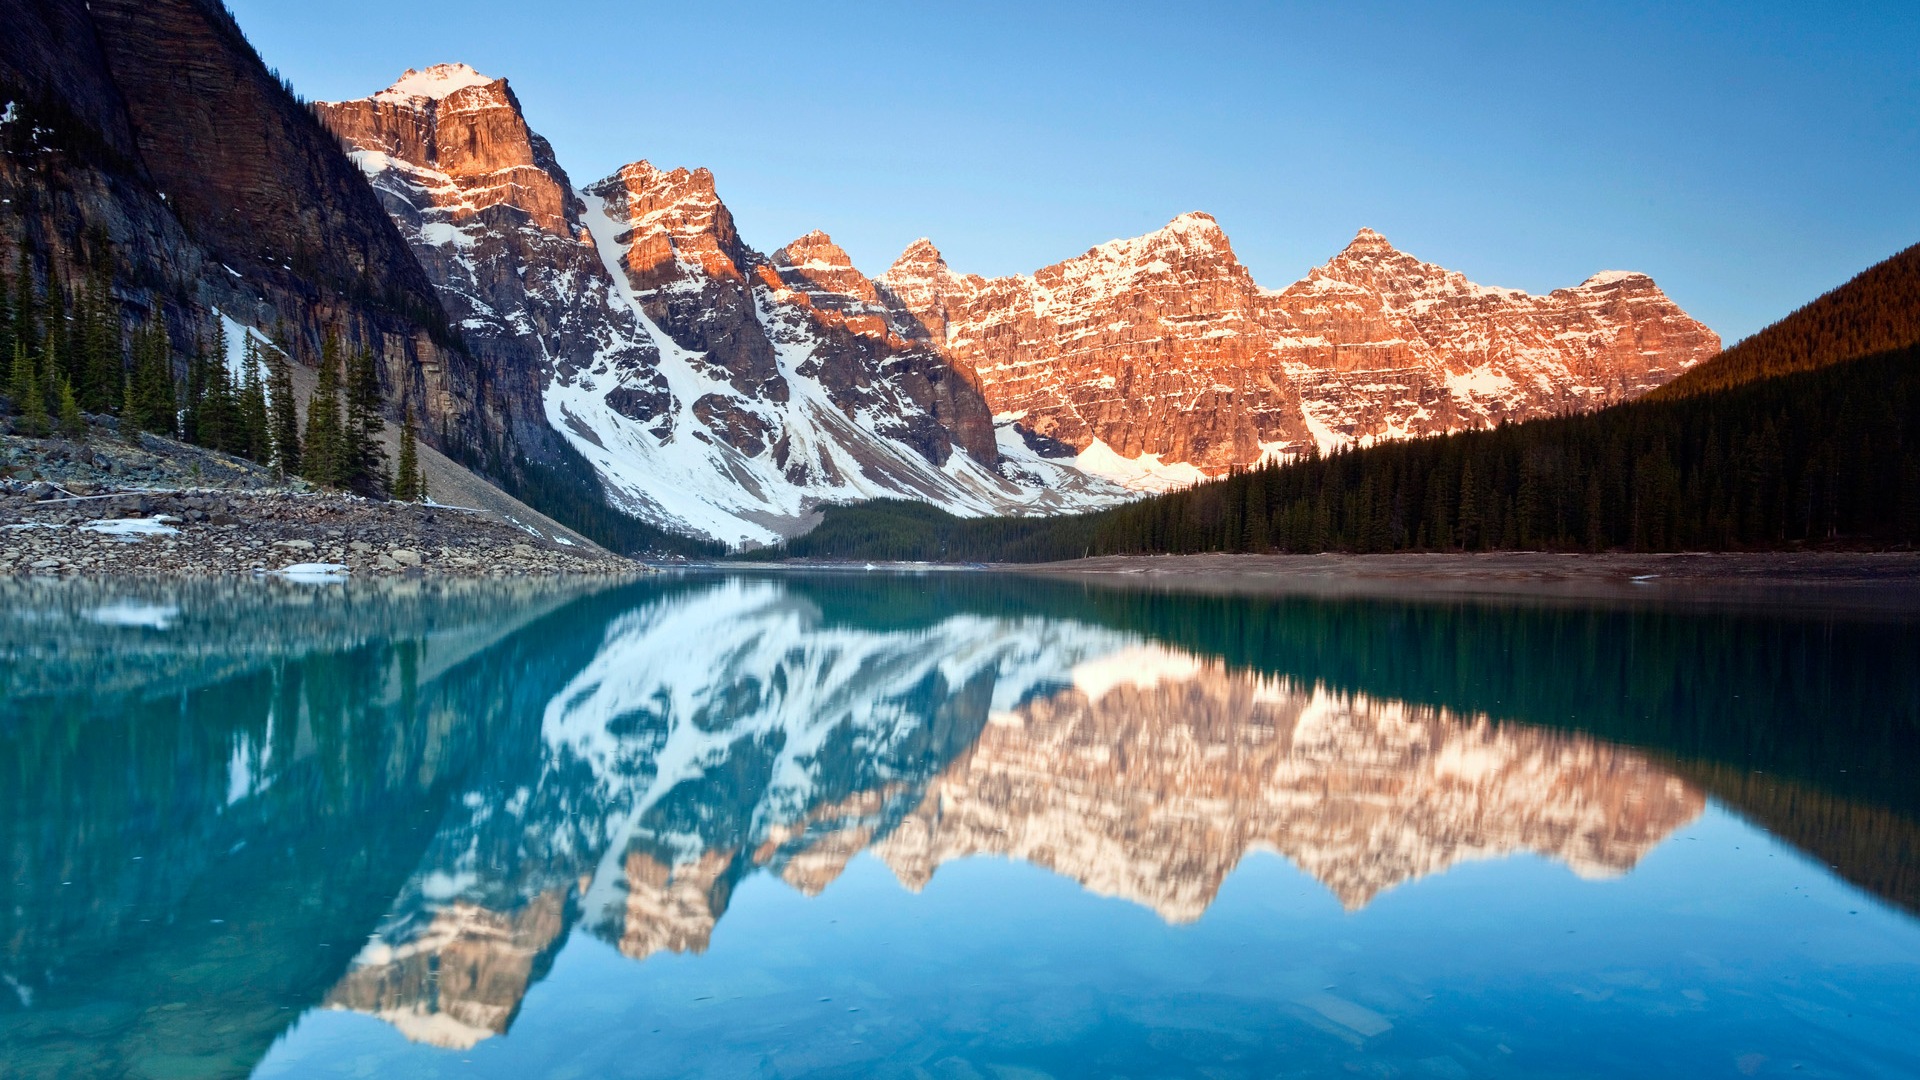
(238, 334)
(1480, 382)
(132, 529)
(440, 234)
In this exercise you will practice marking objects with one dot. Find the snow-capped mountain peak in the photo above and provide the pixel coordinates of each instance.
(435, 83)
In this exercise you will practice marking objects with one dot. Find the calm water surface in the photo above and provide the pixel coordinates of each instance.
(951, 826)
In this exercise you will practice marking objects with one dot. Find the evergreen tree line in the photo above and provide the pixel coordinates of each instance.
(70, 356)
(1830, 456)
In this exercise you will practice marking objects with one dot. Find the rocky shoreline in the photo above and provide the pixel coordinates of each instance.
(78, 530)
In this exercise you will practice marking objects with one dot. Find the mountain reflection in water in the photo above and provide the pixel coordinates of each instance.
(438, 784)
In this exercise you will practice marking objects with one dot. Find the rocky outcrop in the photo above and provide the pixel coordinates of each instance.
(1383, 345)
(1159, 359)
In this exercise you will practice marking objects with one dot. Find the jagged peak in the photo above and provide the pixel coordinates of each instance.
(1193, 231)
(815, 249)
(919, 257)
(1368, 242)
(1193, 221)
(435, 83)
(645, 174)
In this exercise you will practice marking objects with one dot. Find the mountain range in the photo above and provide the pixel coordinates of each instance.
(729, 392)
(619, 346)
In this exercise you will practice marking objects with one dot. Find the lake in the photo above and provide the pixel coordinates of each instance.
(953, 825)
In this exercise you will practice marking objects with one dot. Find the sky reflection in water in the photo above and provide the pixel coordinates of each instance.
(949, 826)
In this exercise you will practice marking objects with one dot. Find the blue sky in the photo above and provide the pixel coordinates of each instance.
(1748, 156)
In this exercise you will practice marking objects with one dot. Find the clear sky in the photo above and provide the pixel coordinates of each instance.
(1748, 155)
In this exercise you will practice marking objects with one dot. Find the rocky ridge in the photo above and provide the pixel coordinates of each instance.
(1159, 360)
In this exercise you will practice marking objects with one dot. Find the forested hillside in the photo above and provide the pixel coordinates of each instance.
(1877, 311)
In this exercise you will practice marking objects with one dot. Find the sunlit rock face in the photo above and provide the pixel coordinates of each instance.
(1148, 346)
(673, 908)
(741, 729)
(493, 218)
(1162, 352)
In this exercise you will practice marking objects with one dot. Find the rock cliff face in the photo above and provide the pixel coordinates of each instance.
(1158, 359)
(492, 217)
(163, 144)
(713, 389)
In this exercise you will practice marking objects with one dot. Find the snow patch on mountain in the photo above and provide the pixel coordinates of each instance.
(436, 82)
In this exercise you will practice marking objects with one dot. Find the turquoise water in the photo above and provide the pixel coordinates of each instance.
(949, 826)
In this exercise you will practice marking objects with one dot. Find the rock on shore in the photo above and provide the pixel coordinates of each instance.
(48, 530)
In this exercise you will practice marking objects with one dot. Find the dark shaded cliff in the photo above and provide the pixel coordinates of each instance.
(148, 136)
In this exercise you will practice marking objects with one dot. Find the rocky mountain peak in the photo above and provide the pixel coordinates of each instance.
(918, 288)
(1159, 361)
(817, 266)
(918, 257)
(1190, 236)
(1620, 279)
(1368, 242)
(462, 134)
(435, 83)
(1196, 229)
(814, 247)
(672, 218)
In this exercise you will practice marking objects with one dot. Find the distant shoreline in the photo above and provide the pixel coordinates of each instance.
(1880, 581)
(1887, 580)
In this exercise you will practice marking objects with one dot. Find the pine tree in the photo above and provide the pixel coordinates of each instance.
(98, 365)
(408, 484)
(151, 397)
(283, 419)
(253, 409)
(57, 346)
(72, 424)
(324, 455)
(6, 317)
(29, 398)
(366, 457)
(25, 309)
